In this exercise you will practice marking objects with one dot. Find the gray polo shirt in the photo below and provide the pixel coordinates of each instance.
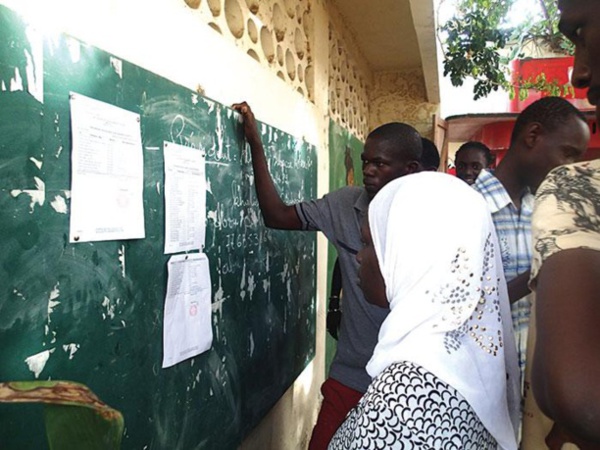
(339, 216)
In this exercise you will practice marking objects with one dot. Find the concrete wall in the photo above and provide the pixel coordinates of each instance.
(400, 97)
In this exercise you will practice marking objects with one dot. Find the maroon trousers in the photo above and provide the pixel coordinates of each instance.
(338, 400)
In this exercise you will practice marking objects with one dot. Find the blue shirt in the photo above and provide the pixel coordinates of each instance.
(513, 227)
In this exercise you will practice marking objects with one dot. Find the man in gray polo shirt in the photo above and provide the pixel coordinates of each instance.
(390, 151)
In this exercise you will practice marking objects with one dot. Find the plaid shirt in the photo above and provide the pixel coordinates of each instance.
(513, 228)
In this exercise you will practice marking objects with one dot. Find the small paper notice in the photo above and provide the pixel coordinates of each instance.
(185, 198)
(187, 328)
(107, 172)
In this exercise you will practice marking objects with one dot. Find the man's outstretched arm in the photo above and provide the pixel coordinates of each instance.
(275, 212)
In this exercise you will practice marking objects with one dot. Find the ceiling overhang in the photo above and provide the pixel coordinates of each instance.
(395, 35)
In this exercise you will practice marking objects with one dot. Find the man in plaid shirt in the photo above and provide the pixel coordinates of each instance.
(548, 133)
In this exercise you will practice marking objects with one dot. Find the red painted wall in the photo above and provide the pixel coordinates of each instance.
(558, 69)
(497, 135)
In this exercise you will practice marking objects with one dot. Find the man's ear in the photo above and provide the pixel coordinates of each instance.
(414, 166)
(532, 134)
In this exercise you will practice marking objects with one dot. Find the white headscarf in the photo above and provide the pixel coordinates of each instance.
(449, 310)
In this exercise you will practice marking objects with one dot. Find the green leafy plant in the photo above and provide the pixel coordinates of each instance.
(73, 415)
(479, 41)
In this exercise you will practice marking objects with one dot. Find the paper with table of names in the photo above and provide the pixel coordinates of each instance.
(185, 198)
(107, 172)
(187, 328)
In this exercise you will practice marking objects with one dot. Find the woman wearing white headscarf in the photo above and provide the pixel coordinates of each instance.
(444, 371)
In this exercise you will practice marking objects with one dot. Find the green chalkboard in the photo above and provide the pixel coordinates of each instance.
(345, 169)
(96, 309)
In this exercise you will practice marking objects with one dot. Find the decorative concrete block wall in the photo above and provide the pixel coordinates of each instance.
(273, 32)
(401, 97)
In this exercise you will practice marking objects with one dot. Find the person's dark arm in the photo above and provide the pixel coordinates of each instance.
(566, 365)
(275, 212)
(518, 287)
(558, 437)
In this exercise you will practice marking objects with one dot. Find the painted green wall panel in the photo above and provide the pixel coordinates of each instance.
(345, 168)
(263, 280)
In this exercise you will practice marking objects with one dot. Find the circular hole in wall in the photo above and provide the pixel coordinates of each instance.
(310, 81)
(215, 7)
(299, 43)
(234, 17)
(306, 23)
(300, 73)
(290, 7)
(290, 64)
(194, 4)
(215, 27)
(278, 22)
(354, 102)
(280, 55)
(252, 31)
(254, 55)
(252, 6)
(266, 42)
(334, 63)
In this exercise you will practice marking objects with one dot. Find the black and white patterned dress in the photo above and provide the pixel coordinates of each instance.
(407, 407)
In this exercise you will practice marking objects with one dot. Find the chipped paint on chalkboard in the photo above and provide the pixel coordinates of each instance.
(52, 302)
(37, 196)
(71, 349)
(109, 308)
(37, 163)
(59, 204)
(122, 260)
(117, 66)
(37, 362)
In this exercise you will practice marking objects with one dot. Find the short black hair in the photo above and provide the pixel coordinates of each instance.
(484, 149)
(431, 156)
(549, 112)
(402, 137)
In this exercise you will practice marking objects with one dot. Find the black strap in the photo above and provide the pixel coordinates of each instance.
(334, 314)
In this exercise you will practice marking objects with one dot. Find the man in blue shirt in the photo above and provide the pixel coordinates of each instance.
(548, 133)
